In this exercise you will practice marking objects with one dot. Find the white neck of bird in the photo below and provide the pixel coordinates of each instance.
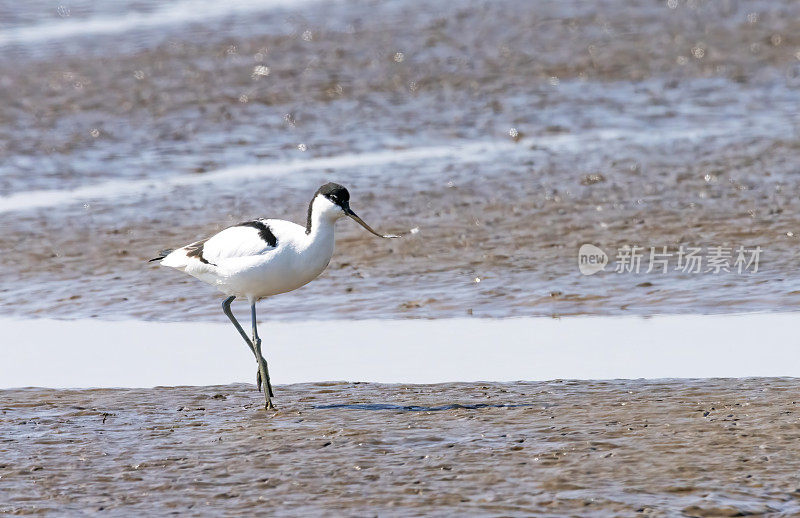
(322, 216)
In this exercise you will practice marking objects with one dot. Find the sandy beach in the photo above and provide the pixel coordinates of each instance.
(636, 124)
(720, 447)
(497, 138)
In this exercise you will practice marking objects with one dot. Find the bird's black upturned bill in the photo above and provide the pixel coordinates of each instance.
(361, 222)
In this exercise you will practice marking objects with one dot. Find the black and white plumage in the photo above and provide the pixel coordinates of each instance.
(266, 257)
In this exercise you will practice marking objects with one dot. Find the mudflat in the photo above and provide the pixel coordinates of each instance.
(718, 447)
(655, 124)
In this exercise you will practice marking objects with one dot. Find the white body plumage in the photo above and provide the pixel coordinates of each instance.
(264, 257)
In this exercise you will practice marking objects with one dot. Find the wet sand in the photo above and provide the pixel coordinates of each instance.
(720, 447)
(687, 118)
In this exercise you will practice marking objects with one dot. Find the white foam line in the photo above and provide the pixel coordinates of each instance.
(54, 353)
(116, 188)
(174, 14)
(467, 152)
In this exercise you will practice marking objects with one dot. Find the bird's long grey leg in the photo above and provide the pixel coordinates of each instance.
(262, 363)
(255, 337)
(226, 307)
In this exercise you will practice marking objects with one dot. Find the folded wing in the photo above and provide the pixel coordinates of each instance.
(243, 240)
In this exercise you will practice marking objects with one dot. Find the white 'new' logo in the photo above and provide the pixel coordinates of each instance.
(591, 259)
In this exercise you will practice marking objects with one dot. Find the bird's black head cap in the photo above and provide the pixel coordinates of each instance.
(337, 194)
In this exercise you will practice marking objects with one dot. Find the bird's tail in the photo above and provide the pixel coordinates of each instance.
(162, 254)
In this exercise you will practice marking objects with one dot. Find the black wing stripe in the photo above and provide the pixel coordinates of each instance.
(264, 232)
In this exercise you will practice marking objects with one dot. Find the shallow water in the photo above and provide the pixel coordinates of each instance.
(565, 447)
(127, 129)
(104, 354)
